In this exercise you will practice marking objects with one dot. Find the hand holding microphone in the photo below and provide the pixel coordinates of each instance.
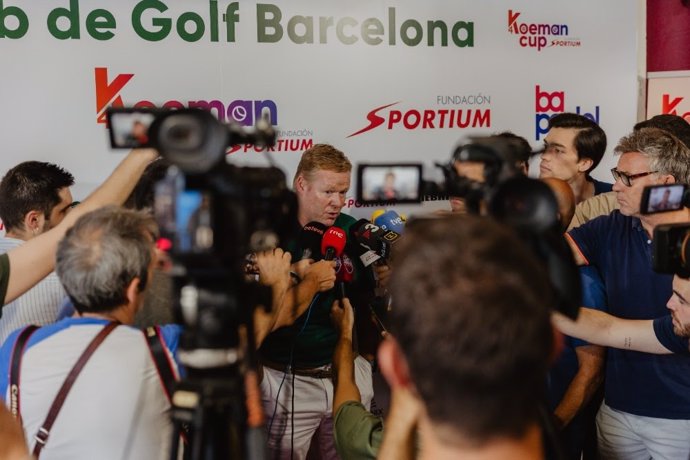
(322, 273)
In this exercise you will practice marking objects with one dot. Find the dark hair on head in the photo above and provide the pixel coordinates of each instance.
(590, 141)
(673, 124)
(474, 325)
(523, 149)
(31, 186)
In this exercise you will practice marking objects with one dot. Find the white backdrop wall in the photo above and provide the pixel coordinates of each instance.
(324, 70)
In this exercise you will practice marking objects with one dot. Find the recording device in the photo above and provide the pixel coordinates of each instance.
(213, 214)
(129, 127)
(389, 183)
(390, 220)
(664, 198)
(500, 158)
(526, 205)
(333, 243)
(310, 240)
(671, 251)
(376, 243)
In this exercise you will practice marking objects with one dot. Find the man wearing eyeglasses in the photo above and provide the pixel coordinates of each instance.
(646, 411)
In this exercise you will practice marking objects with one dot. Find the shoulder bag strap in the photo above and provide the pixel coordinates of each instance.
(44, 431)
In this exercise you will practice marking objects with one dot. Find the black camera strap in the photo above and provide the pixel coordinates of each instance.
(15, 368)
(164, 366)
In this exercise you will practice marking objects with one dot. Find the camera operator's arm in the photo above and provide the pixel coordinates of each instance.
(33, 260)
(356, 431)
(343, 358)
(603, 329)
(590, 359)
(274, 271)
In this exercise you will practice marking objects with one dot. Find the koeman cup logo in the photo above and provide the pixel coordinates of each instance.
(244, 112)
(541, 35)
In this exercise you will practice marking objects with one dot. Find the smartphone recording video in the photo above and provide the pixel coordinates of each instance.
(129, 128)
(663, 198)
(397, 183)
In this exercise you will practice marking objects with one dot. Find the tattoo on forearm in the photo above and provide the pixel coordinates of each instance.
(627, 342)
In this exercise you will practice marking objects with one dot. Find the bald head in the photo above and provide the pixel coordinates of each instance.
(564, 197)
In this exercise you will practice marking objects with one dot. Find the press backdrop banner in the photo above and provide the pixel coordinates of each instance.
(383, 81)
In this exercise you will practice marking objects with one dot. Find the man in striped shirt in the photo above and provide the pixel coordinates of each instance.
(34, 197)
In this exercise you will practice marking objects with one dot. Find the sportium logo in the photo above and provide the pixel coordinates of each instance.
(548, 104)
(539, 35)
(245, 112)
(386, 117)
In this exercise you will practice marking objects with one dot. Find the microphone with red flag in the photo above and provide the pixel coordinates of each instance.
(333, 243)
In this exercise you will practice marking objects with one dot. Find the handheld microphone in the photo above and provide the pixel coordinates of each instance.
(376, 214)
(344, 274)
(333, 243)
(375, 241)
(310, 240)
(390, 220)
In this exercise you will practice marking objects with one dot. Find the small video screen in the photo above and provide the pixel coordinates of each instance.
(662, 198)
(129, 128)
(399, 183)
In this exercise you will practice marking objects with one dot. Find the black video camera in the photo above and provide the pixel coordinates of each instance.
(213, 214)
(502, 190)
(671, 251)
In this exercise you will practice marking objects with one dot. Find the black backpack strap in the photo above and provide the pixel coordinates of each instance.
(15, 368)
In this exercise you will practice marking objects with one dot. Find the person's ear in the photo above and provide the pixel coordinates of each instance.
(666, 179)
(300, 183)
(34, 221)
(584, 163)
(393, 364)
(133, 290)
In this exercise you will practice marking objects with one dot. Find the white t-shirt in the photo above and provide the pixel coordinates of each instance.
(116, 409)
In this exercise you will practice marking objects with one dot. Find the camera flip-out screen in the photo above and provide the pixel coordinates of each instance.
(662, 198)
(398, 183)
(129, 128)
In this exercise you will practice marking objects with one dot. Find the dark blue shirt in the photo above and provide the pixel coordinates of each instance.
(663, 328)
(599, 186)
(637, 383)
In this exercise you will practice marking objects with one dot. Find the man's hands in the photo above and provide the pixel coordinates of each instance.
(273, 266)
(383, 274)
(322, 273)
(343, 317)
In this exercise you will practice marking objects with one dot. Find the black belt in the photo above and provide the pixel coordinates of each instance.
(313, 372)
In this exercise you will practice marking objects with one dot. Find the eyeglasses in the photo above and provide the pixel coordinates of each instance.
(627, 178)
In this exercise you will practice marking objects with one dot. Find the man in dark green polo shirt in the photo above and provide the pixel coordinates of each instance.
(299, 356)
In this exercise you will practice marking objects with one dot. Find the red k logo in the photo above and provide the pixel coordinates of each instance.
(108, 94)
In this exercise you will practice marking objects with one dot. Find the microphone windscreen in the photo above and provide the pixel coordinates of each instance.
(310, 240)
(376, 213)
(333, 242)
(391, 220)
(365, 233)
